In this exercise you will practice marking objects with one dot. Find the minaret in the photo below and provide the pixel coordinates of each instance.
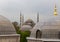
(37, 17)
(21, 19)
(55, 10)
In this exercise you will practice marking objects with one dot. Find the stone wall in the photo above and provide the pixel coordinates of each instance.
(9, 38)
(33, 40)
(30, 39)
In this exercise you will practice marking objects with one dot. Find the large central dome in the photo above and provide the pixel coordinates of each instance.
(6, 26)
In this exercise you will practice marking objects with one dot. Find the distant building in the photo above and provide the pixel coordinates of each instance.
(27, 25)
(7, 31)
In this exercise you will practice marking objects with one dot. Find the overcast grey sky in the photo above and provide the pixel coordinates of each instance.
(11, 8)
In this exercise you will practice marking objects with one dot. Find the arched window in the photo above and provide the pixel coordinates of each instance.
(38, 34)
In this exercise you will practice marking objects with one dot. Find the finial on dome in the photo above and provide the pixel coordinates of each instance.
(55, 10)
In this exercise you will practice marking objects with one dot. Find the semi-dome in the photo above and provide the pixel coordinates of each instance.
(47, 28)
(6, 26)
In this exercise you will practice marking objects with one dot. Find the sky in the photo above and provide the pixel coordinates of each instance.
(29, 8)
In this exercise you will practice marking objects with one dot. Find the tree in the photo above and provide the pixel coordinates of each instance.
(16, 26)
(23, 36)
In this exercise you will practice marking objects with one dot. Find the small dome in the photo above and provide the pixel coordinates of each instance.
(6, 26)
(50, 28)
(29, 20)
(26, 27)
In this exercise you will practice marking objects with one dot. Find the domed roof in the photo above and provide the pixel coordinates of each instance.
(29, 20)
(6, 26)
(26, 27)
(51, 25)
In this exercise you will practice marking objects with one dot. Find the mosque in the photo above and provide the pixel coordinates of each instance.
(46, 30)
(28, 24)
(7, 31)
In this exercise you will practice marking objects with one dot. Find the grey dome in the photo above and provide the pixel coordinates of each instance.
(29, 22)
(26, 27)
(6, 26)
(50, 28)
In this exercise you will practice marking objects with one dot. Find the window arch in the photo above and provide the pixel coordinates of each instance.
(38, 34)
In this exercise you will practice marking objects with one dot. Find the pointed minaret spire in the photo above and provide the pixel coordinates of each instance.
(37, 17)
(21, 19)
(55, 10)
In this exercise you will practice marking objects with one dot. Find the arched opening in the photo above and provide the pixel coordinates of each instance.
(38, 34)
(59, 35)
